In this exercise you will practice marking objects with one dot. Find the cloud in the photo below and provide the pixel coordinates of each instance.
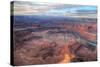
(32, 8)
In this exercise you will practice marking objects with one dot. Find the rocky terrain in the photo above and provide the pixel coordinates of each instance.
(47, 45)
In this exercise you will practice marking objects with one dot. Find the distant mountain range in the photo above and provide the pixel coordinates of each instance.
(49, 19)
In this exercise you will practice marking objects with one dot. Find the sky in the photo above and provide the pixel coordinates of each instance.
(55, 9)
